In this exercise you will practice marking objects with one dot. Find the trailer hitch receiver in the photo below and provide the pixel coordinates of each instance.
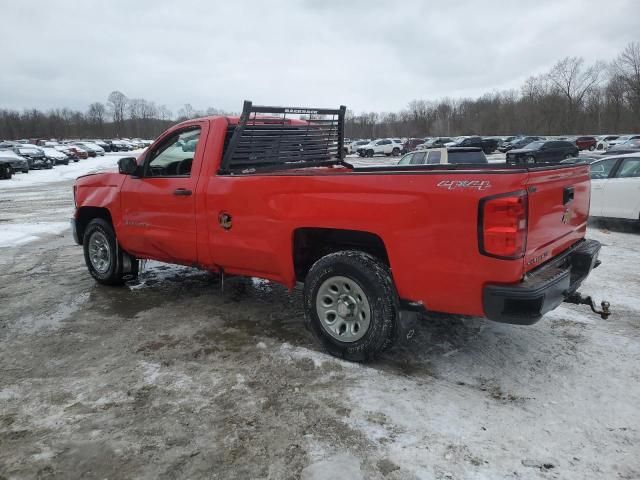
(578, 299)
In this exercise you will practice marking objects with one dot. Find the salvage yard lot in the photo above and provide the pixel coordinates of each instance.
(171, 377)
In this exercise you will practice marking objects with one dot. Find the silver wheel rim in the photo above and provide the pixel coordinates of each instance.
(99, 252)
(343, 309)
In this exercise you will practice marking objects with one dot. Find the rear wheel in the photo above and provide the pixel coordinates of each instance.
(6, 172)
(592, 148)
(568, 156)
(530, 160)
(351, 305)
(395, 152)
(107, 262)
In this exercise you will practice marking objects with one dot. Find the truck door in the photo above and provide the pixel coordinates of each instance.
(158, 208)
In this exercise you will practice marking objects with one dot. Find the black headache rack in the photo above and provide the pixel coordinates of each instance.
(269, 139)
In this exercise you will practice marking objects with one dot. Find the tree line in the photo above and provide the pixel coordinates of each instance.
(571, 98)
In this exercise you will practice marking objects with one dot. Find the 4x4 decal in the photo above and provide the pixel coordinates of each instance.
(453, 184)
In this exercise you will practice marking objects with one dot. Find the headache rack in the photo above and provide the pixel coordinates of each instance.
(279, 138)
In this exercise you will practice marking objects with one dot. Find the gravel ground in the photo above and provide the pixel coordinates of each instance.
(169, 377)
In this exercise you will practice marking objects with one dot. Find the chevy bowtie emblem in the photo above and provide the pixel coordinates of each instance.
(567, 216)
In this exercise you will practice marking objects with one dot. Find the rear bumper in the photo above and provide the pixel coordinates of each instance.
(543, 289)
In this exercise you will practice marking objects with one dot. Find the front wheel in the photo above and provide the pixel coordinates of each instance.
(107, 263)
(568, 156)
(370, 153)
(351, 305)
(592, 148)
(530, 160)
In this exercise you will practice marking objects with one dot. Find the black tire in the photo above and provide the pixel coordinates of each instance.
(374, 278)
(115, 273)
(6, 172)
(395, 152)
(370, 153)
(76, 160)
(592, 148)
(529, 160)
(26, 170)
(568, 156)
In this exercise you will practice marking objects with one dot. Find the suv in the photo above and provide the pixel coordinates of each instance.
(439, 156)
(586, 143)
(488, 145)
(551, 151)
(388, 146)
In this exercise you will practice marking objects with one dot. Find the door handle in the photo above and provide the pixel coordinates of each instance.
(182, 192)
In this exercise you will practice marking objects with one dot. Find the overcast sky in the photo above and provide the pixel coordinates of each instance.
(368, 55)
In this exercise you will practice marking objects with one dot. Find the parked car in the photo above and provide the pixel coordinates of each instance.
(78, 151)
(386, 146)
(93, 149)
(603, 141)
(102, 144)
(451, 155)
(17, 163)
(519, 143)
(91, 152)
(436, 142)
(353, 146)
(586, 143)
(6, 170)
(34, 156)
(621, 139)
(56, 156)
(487, 145)
(71, 155)
(411, 144)
(630, 146)
(543, 151)
(508, 253)
(615, 187)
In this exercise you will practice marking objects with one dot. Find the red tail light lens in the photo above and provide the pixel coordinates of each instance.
(502, 225)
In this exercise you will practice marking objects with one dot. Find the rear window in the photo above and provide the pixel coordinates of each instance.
(467, 157)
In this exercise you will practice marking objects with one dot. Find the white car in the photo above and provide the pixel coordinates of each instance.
(620, 140)
(615, 187)
(603, 141)
(435, 156)
(353, 146)
(386, 146)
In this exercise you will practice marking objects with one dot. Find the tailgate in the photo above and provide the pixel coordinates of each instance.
(558, 211)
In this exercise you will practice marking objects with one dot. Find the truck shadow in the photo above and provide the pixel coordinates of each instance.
(623, 226)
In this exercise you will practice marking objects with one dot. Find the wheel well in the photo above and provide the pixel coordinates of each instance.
(311, 244)
(86, 214)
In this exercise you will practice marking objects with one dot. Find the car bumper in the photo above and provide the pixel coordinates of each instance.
(543, 289)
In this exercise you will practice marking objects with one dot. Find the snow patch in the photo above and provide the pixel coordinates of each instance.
(15, 234)
(337, 466)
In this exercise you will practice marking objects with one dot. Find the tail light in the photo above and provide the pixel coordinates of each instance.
(502, 225)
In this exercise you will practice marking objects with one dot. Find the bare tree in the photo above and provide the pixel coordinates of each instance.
(575, 82)
(117, 103)
(627, 68)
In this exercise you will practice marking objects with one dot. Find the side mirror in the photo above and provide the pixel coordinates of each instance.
(127, 165)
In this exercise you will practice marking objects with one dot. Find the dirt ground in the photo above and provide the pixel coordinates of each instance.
(169, 377)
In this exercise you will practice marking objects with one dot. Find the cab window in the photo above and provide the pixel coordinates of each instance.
(174, 156)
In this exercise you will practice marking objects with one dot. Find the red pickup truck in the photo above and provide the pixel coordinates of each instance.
(269, 194)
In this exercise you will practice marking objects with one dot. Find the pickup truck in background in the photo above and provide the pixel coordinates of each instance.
(269, 194)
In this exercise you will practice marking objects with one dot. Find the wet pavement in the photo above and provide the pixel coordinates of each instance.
(169, 377)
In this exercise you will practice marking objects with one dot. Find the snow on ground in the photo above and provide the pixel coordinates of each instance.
(66, 172)
(14, 234)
